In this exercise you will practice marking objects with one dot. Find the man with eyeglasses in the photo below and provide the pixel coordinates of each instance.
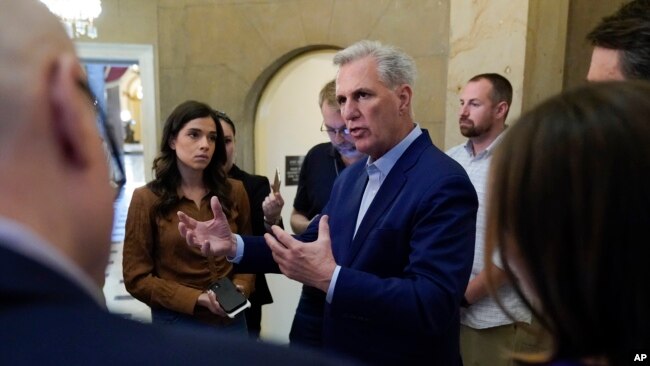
(323, 163)
(320, 168)
(56, 211)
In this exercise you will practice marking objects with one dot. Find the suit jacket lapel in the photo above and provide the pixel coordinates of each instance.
(349, 210)
(390, 188)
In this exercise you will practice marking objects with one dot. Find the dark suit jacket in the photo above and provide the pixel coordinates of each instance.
(47, 320)
(397, 296)
(257, 187)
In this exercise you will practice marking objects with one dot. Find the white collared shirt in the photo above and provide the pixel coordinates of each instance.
(485, 313)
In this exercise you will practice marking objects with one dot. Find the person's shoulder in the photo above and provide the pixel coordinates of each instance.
(237, 186)
(192, 345)
(318, 154)
(257, 185)
(320, 149)
(236, 173)
(248, 178)
(110, 339)
(431, 159)
(144, 193)
(145, 189)
(455, 149)
(351, 173)
(258, 180)
(359, 165)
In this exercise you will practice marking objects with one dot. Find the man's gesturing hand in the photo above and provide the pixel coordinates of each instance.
(212, 237)
(310, 263)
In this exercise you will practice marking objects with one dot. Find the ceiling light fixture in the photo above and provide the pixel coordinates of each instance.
(77, 15)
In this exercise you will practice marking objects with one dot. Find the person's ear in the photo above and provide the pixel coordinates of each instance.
(404, 93)
(172, 143)
(502, 110)
(68, 108)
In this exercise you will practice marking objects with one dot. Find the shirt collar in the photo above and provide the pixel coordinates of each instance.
(469, 147)
(387, 161)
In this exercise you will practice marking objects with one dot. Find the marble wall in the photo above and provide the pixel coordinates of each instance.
(584, 15)
(521, 40)
(225, 51)
(545, 46)
(485, 36)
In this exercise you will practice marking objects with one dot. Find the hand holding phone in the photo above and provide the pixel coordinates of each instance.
(231, 300)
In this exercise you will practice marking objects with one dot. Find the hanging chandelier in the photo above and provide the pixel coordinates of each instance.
(77, 15)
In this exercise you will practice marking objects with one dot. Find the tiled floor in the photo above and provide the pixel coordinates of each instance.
(118, 299)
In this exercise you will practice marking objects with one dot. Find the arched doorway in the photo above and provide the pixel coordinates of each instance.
(287, 125)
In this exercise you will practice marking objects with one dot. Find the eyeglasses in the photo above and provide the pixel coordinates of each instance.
(334, 131)
(117, 176)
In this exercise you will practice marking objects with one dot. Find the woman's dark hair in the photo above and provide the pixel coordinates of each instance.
(569, 204)
(168, 178)
(224, 117)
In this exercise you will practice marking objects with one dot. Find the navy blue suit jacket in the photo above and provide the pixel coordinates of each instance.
(258, 188)
(46, 319)
(397, 296)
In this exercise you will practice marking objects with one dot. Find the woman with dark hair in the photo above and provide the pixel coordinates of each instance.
(159, 268)
(568, 213)
(263, 206)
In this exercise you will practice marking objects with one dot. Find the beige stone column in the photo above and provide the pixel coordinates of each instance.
(523, 40)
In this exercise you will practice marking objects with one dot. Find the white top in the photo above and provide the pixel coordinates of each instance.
(485, 313)
(18, 238)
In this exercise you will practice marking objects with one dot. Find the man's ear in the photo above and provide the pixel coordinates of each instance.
(502, 110)
(67, 113)
(404, 93)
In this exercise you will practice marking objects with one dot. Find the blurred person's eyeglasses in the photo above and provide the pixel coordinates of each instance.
(334, 131)
(117, 176)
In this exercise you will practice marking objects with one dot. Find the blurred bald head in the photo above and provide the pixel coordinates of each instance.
(54, 171)
(29, 36)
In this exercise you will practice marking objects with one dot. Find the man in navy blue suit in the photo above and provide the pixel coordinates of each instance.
(394, 247)
(56, 212)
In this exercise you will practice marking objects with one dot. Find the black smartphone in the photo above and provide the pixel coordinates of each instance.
(231, 300)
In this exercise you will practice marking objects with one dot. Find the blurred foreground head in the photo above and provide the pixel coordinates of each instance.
(569, 210)
(622, 44)
(55, 178)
